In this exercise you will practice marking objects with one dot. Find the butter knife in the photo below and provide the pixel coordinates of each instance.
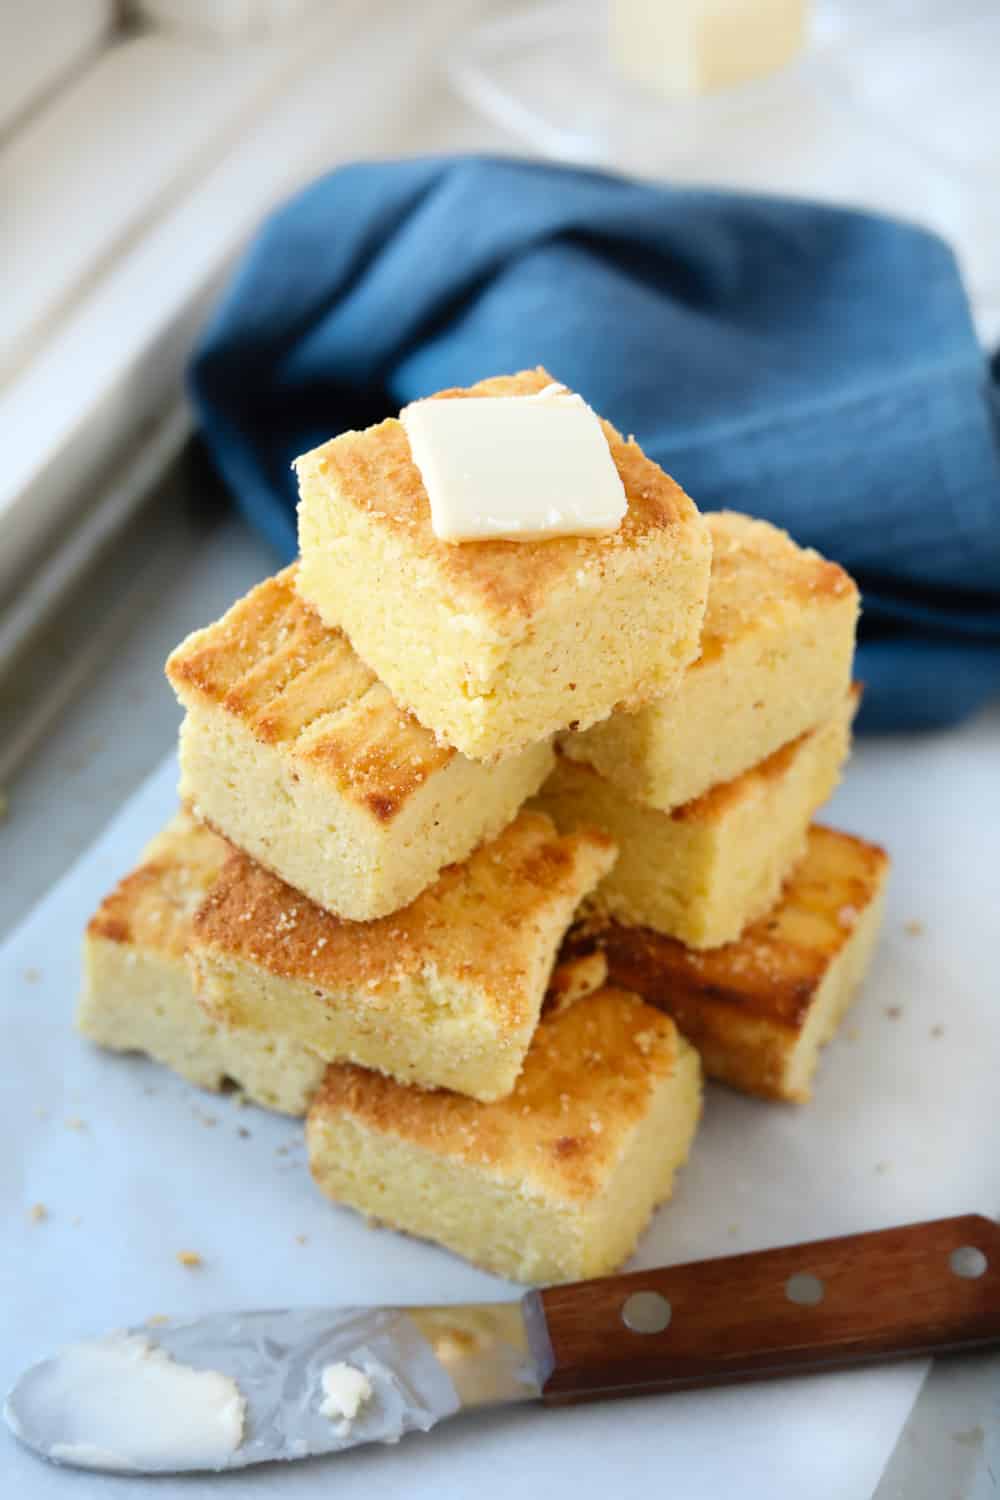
(919, 1289)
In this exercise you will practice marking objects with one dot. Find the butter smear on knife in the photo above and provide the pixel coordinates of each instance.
(122, 1403)
(345, 1391)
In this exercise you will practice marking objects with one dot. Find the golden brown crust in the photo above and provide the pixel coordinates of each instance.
(574, 979)
(373, 472)
(478, 923)
(757, 569)
(771, 973)
(295, 685)
(586, 1083)
(154, 905)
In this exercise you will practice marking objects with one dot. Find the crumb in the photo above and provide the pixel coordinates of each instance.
(894, 1012)
(73, 1122)
(189, 1258)
(914, 928)
(302, 1239)
(208, 1120)
(38, 1213)
(937, 1031)
(243, 1133)
(156, 1319)
(32, 976)
(733, 1230)
(281, 1150)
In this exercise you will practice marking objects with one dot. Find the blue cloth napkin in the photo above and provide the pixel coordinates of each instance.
(809, 364)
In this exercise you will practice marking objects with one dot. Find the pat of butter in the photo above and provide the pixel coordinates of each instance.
(515, 467)
(345, 1391)
(694, 46)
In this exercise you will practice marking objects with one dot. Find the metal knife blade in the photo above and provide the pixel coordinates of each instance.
(244, 1388)
(423, 1364)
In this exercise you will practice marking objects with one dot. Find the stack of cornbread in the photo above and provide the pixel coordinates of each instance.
(727, 907)
(478, 838)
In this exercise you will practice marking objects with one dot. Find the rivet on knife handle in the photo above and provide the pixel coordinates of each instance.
(916, 1290)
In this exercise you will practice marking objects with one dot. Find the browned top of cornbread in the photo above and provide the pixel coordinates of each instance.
(775, 968)
(154, 905)
(480, 923)
(586, 1083)
(273, 665)
(374, 472)
(757, 570)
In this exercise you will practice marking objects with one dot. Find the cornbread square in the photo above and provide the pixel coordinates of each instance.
(445, 993)
(776, 652)
(497, 644)
(293, 750)
(554, 1183)
(759, 1010)
(138, 995)
(706, 870)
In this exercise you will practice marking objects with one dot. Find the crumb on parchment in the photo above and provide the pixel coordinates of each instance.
(37, 1213)
(190, 1259)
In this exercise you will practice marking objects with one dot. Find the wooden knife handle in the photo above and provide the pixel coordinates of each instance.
(917, 1290)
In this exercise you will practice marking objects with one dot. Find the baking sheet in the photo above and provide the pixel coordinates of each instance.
(133, 1166)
